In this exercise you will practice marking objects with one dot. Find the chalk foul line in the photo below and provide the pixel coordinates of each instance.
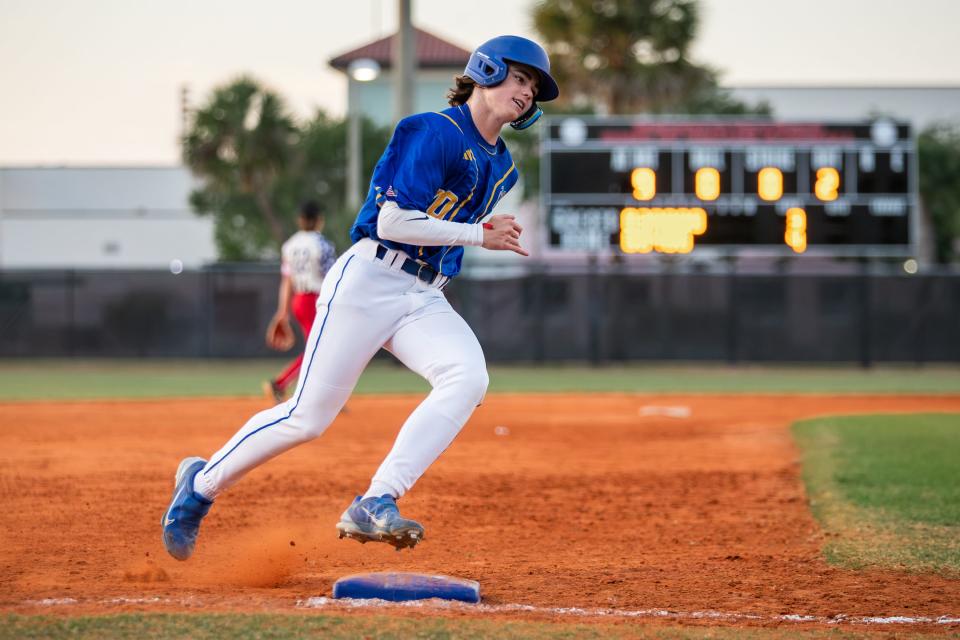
(434, 603)
(320, 602)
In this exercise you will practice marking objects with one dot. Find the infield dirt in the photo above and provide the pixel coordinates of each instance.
(612, 501)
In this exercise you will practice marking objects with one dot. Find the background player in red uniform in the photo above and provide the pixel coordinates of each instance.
(306, 257)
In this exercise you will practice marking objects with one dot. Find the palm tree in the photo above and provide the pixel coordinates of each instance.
(241, 144)
(625, 56)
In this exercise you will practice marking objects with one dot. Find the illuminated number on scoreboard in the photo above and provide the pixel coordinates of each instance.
(442, 203)
(644, 183)
(828, 182)
(770, 183)
(668, 230)
(796, 234)
(706, 183)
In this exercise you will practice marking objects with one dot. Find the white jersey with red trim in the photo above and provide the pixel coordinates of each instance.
(306, 258)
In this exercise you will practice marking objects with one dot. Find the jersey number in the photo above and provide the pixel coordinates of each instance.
(442, 204)
(301, 261)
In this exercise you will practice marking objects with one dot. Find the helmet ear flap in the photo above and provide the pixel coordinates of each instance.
(485, 70)
(528, 119)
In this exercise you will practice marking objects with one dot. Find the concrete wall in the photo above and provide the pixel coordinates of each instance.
(922, 106)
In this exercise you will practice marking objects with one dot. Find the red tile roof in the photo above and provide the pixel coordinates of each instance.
(432, 53)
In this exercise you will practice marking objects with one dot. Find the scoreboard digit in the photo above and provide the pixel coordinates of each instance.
(619, 185)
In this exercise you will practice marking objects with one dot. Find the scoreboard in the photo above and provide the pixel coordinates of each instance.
(629, 186)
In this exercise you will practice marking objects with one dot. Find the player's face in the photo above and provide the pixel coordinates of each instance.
(514, 96)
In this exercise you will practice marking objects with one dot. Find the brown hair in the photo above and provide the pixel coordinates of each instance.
(459, 94)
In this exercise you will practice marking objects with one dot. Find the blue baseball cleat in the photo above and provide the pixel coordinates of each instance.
(181, 522)
(378, 520)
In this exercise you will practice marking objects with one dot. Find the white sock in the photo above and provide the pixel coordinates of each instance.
(200, 487)
(378, 489)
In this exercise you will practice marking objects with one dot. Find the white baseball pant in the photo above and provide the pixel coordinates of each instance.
(367, 303)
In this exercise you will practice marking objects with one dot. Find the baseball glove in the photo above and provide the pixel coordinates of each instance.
(280, 336)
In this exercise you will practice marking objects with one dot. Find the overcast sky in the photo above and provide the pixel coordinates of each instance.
(98, 81)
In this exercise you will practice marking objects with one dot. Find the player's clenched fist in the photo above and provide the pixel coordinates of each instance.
(503, 232)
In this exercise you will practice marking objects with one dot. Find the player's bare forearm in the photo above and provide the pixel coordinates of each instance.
(283, 296)
(502, 233)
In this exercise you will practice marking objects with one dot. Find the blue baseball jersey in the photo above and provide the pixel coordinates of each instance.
(437, 163)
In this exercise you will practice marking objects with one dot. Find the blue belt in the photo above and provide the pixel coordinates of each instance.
(422, 271)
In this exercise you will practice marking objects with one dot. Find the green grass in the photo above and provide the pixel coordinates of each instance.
(70, 379)
(885, 489)
(279, 626)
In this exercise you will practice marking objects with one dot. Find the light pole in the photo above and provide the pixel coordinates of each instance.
(404, 62)
(360, 70)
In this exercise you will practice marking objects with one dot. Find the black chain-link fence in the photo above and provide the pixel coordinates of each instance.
(538, 316)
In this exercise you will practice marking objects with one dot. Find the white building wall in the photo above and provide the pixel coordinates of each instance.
(375, 99)
(99, 217)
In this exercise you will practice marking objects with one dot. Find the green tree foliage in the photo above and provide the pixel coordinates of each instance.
(631, 56)
(321, 171)
(256, 164)
(240, 144)
(938, 148)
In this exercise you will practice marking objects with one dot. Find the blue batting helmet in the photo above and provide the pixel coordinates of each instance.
(488, 67)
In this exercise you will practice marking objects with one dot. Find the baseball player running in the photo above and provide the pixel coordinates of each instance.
(306, 257)
(436, 183)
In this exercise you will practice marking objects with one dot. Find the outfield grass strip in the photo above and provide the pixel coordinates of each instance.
(884, 489)
(112, 379)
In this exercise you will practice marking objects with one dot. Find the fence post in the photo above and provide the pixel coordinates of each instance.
(922, 313)
(866, 359)
(71, 312)
(539, 323)
(593, 312)
(666, 279)
(732, 310)
(208, 319)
